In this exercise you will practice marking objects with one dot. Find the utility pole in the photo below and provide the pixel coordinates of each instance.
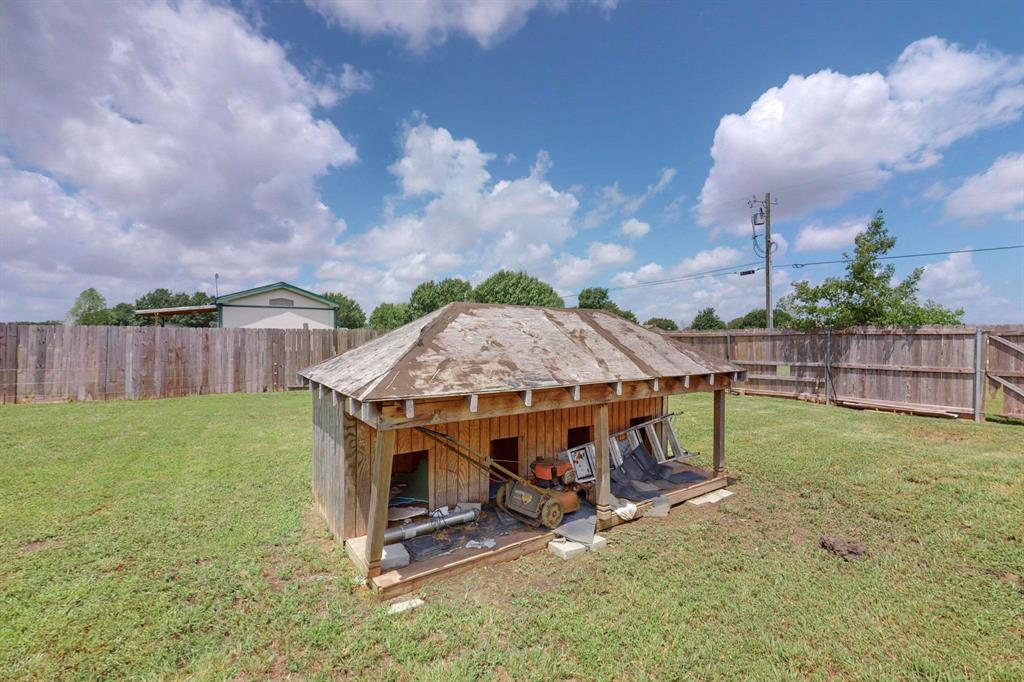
(763, 216)
(768, 259)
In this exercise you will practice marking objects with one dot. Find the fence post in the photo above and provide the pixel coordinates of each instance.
(728, 347)
(828, 367)
(979, 376)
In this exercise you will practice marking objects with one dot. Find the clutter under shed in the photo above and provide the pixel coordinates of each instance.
(479, 432)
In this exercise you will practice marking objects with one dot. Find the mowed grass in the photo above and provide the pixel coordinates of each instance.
(175, 538)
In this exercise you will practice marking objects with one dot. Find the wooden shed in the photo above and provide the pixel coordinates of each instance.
(512, 382)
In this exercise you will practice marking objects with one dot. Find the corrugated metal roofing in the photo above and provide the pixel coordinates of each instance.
(467, 348)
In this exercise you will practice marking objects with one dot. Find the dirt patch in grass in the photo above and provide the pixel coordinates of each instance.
(41, 544)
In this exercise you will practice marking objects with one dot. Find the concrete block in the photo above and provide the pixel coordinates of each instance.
(566, 549)
(597, 544)
(406, 605)
(394, 556)
(710, 498)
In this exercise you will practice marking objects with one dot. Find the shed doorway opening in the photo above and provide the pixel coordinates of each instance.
(410, 480)
(505, 451)
(580, 435)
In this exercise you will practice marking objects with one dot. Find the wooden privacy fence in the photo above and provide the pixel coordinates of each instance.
(924, 370)
(56, 363)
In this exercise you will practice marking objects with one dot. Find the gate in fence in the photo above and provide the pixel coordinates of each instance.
(934, 370)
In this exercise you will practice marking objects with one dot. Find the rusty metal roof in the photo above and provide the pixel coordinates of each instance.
(467, 348)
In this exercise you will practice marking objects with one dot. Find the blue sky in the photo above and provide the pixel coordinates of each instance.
(365, 148)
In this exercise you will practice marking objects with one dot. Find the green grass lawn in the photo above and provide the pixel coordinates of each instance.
(175, 538)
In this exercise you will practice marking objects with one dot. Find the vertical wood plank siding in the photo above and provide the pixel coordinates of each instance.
(55, 363)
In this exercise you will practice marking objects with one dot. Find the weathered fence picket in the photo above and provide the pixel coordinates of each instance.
(926, 370)
(55, 363)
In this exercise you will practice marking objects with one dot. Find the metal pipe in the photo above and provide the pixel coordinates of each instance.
(409, 531)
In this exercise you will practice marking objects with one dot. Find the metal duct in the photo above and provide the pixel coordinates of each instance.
(408, 532)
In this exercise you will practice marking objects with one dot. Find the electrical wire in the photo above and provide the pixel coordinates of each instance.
(758, 267)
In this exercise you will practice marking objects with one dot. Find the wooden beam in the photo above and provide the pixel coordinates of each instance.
(527, 397)
(320, 390)
(368, 412)
(617, 387)
(1007, 385)
(654, 384)
(474, 403)
(457, 408)
(334, 397)
(380, 490)
(718, 458)
(1006, 342)
(711, 379)
(410, 409)
(352, 406)
(574, 391)
(602, 461)
(686, 382)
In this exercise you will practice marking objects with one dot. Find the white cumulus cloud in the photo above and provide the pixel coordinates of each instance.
(816, 140)
(426, 23)
(635, 228)
(466, 219)
(819, 237)
(999, 191)
(156, 129)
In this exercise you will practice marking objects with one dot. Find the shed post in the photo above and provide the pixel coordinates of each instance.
(379, 492)
(979, 375)
(718, 459)
(602, 464)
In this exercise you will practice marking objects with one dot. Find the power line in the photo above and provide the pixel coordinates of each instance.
(739, 269)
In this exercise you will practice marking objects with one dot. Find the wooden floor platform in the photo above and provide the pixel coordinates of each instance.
(507, 547)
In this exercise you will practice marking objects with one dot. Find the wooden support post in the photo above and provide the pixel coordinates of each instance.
(527, 397)
(718, 459)
(410, 409)
(979, 375)
(474, 402)
(574, 391)
(379, 492)
(602, 462)
(686, 382)
(617, 387)
(655, 384)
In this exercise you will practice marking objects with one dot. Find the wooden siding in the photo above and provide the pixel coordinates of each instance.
(56, 363)
(540, 434)
(342, 455)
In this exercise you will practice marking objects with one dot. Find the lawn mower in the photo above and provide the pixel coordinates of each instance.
(530, 503)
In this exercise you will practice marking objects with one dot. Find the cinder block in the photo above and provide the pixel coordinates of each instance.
(394, 556)
(566, 549)
(597, 544)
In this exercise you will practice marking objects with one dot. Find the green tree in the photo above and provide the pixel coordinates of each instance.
(597, 298)
(123, 315)
(350, 314)
(757, 319)
(868, 293)
(707, 319)
(429, 296)
(516, 288)
(90, 308)
(388, 316)
(662, 323)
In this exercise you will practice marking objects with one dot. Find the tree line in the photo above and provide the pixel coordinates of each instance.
(868, 294)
